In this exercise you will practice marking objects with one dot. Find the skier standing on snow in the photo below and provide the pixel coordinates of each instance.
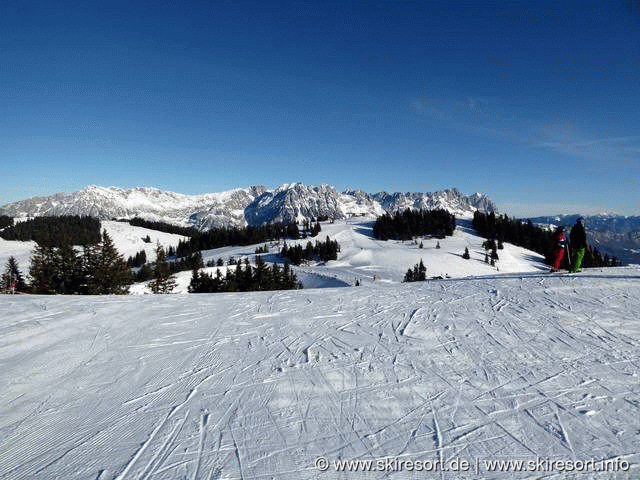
(560, 244)
(578, 242)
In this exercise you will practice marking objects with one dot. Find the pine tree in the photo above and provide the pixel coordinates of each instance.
(12, 279)
(163, 281)
(195, 286)
(466, 255)
(107, 272)
(42, 269)
(68, 272)
(408, 277)
(422, 271)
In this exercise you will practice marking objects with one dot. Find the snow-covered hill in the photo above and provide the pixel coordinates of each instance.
(365, 259)
(536, 369)
(239, 207)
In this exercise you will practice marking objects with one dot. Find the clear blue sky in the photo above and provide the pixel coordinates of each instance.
(536, 104)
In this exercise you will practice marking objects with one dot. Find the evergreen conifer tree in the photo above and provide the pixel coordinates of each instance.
(12, 279)
(422, 271)
(408, 277)
(42, 269)
(163, 281)
(68, 272)
(466, 255)
(107, 273)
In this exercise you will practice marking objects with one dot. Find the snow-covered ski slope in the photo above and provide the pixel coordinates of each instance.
(364, 258)
(534, 368)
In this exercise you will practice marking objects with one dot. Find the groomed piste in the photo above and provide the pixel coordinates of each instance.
(261, 385)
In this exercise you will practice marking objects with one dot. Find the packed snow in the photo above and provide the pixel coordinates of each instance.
(129, 240)
(531, 367)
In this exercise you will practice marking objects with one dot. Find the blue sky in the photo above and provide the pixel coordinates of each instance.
(536, 104)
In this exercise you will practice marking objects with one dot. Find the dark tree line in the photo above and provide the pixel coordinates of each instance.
(137, 260)
(99, 269)
(161, 227)
(244, 278)
(5, 221)
(414, 223)
(56, 231)
(224, 237)
(321, 251)
(525, 234)
(147, 271)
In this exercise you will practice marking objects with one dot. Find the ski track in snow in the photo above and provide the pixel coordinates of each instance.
(258, 385)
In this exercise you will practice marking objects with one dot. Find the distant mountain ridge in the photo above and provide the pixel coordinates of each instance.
(254, 205)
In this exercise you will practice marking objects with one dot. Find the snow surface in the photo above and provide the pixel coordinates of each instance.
(21, 251)
(129, 239)
(260, 385)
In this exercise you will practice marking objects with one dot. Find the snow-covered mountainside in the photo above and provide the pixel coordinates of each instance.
(107, 203)
(294, 203)
(533, 369)
(239, 207)
(452, 200)
(616, 235)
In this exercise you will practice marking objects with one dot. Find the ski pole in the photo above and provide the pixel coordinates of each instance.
(568, 253)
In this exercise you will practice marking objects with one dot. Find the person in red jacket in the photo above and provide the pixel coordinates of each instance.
(560, 244)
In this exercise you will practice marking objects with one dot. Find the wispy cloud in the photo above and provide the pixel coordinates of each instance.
(494, 118)
(471, 114)
(449, 109)
(616, 151)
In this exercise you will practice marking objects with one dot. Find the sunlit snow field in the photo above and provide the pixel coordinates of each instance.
(493, 363)
(261, 385)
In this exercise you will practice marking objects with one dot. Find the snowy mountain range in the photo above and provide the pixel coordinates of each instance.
(254, 205)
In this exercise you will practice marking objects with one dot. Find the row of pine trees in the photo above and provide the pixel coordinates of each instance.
(322, 251)
(414, 223)
(97, 269)
(244, 278)
(55, 231)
